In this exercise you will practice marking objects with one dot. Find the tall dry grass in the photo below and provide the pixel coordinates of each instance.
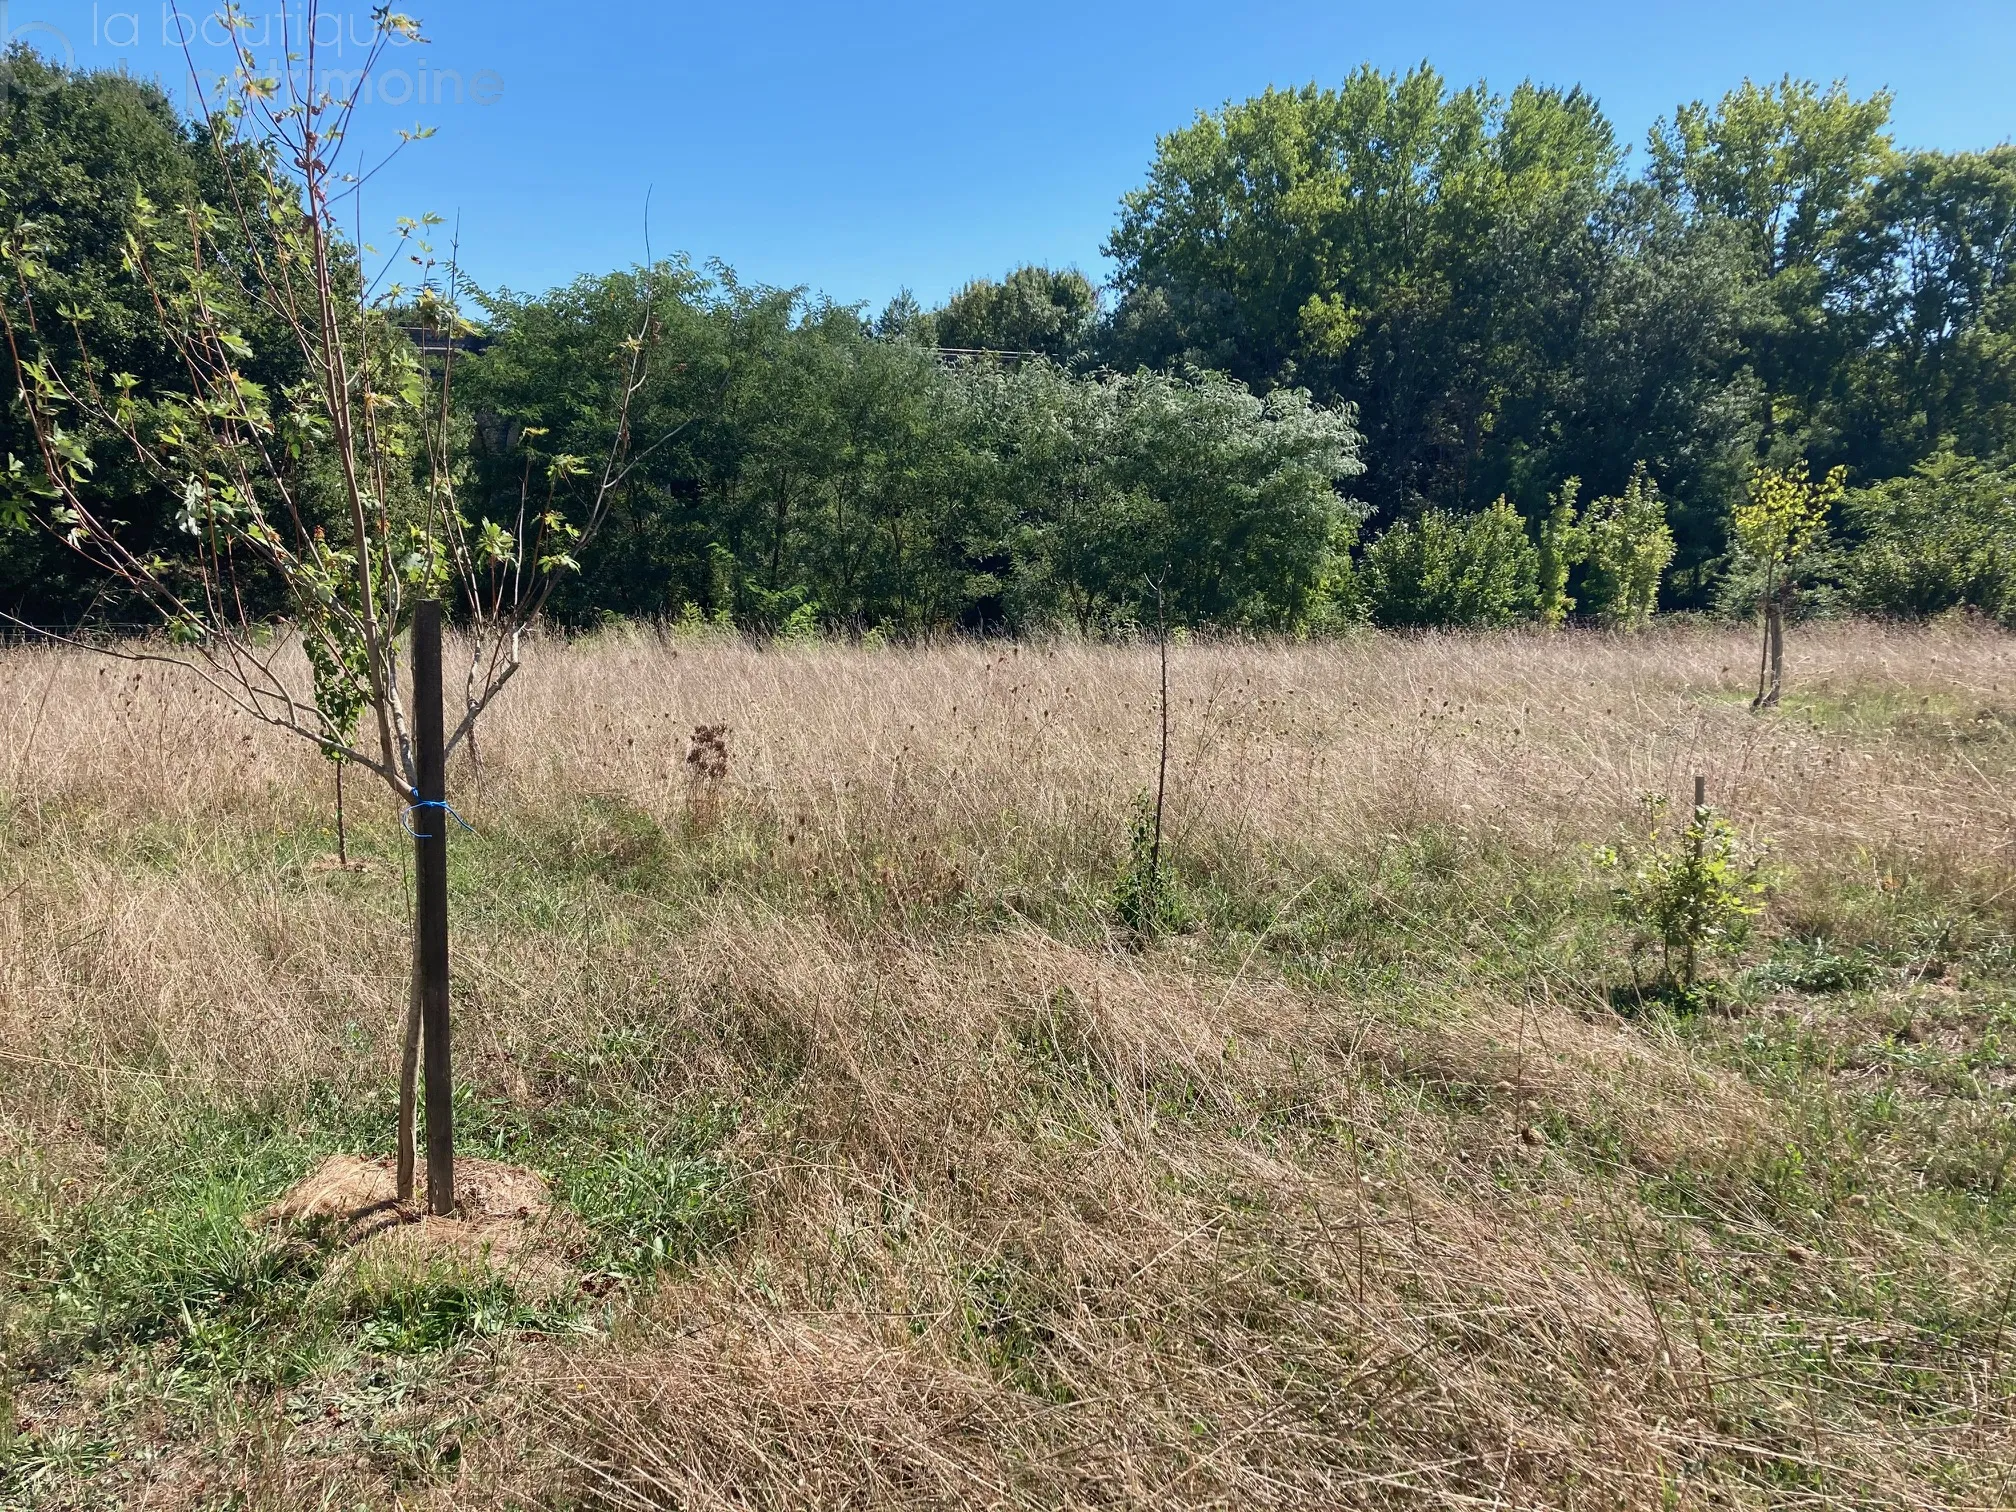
(1037, 1220)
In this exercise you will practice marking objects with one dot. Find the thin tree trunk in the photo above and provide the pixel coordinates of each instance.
(1764, 655)
(342, 842)
(1775, 625)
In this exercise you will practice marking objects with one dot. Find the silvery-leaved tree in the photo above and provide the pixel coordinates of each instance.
(286, 534)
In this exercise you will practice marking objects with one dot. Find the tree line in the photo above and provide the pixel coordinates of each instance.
(1391, 351)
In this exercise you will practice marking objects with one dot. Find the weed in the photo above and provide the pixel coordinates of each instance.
(440, 1309)
(1146, 900)
(1814, 966)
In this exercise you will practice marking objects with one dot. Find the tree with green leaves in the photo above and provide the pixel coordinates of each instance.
(89, 161)
(1033, 312)
(1778, 527)
(1927, 268)
(1478, 571)
(331, 558)
(1787, 165)
(1940, 539)
(1378, 243)
(1629, 547)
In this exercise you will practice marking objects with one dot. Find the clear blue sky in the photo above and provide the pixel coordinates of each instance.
(864, 148)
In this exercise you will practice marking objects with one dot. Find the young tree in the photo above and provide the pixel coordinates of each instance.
(1630, 547)
(1476, 571)
(1564, 545)
(1778, 528)
(321, 516)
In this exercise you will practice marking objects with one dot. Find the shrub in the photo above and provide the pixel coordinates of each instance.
(1942, 538)
(1564, 544)
(1693, 894)
(1447, 569)
(1629, 547)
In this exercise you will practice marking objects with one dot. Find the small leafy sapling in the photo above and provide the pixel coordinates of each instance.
(1630, 546)
(1564, 545)
(1778, 528)
(1690, 894)
(325, 509)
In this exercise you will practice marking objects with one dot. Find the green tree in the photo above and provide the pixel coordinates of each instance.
(1788, 166)
(1391, 243)
(1227, 499)
(1942, 538)
(83, 157)
(1476, 571)
(1033, 311)
(1778, 528)
(1928, 267)
(1630, 546)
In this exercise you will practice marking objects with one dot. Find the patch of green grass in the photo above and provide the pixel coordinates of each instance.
(1813, 965)
(442, 1308)
(660, 1194)
(163, 1256)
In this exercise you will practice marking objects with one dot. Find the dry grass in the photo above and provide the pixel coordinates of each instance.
(1356, 1192)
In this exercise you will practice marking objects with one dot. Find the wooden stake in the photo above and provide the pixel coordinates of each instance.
(1697, 836)
(430, 911)
(342, 841)
(1162, 763)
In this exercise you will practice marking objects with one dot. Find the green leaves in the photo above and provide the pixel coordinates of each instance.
(494, 545)
(557, 538)
(1691, 894)
(1630, 546)
(72, 455)
(397, 24)
(1785, 513)
(1445, 569)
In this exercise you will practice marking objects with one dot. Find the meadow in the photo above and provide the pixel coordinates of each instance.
(898, 1174)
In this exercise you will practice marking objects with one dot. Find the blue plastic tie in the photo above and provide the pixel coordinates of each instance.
(431, 803)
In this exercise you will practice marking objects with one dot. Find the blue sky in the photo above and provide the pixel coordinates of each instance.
(863, 148)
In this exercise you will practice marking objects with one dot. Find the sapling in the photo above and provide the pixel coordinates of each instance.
(1140, 899)
(1778, 527)
(1692, 894)
(1564, 544)
(323, 515)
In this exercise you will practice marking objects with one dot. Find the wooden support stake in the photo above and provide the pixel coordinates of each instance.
(430, 915)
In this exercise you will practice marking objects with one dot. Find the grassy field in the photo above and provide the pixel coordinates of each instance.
(906, 1179)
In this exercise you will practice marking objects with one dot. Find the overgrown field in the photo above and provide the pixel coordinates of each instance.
(1384, 1177)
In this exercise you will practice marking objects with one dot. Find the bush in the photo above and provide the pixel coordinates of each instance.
(1942, 538)
(1691, 895)
(1629, 546)
(1447, 569)
(1564, 544)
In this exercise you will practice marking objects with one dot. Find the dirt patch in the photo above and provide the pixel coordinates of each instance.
(504, 1220)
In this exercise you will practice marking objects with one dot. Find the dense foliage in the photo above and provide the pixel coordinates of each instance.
(1365, 351)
